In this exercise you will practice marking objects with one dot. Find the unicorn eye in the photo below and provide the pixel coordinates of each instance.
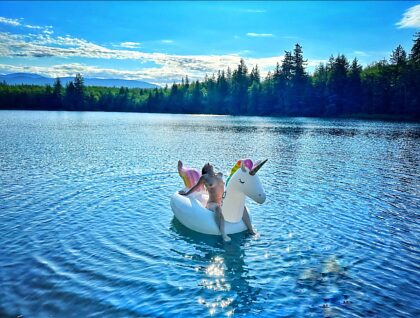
(241, 181)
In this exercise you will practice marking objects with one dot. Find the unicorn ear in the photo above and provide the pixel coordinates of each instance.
(243, 167)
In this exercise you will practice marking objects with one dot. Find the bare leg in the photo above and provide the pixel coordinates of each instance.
(221, 223)
(247, 221)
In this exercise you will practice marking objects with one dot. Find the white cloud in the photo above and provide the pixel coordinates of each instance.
(27, 48)
(18, 23)
(167, 41)
(161, 76)
(262, 35)
(43, 45)
(37, 27)
(255, 11)
(360, 53)
(166, 74)
(411, 18)
(13, 22)
(130, 45)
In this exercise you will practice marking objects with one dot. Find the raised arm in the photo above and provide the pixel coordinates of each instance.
(199, 183)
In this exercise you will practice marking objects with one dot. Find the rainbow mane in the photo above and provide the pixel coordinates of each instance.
(247, 163)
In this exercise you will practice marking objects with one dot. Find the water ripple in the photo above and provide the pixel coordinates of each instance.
(87, 229)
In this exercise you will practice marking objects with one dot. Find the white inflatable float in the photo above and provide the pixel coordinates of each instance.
(242, 182)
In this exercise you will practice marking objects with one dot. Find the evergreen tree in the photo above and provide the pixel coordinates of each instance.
(70, 97)
(398, 56)
(337, 84)
(298, 64)
(319, 83)
(338, 88)
(196, 98)
(255, 75)
(283, 85)
(254, 98)
(299, 83)
(239, 89)
(354, 90)
(57, 93)
(223, 93)
(287, 66)
(79, 92)
(415, 50)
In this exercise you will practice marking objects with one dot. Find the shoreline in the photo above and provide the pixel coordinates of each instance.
(373, 117)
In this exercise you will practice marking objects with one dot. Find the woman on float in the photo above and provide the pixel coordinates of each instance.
(215, 187)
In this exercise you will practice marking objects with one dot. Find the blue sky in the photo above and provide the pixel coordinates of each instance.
(161, 41)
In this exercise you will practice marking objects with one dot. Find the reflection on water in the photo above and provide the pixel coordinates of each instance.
(224, 280)
(87, 230)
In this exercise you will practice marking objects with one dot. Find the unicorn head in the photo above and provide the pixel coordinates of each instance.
(245, 179)
(242, 182)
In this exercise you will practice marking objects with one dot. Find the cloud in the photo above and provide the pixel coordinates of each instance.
(262, 35)
(18, 23)
(255, 11)
(71, 52)
(360, 53)
(161, 76)
(43, 45)
(166, 74)
(411, 18)
(130, 45)
(167, 41)
(13, 22)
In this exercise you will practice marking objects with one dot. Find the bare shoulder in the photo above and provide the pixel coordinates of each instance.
(203, 178)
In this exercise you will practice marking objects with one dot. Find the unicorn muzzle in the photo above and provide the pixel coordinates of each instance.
(261, 198)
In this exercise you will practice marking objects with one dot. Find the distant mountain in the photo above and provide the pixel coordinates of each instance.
(35, 79)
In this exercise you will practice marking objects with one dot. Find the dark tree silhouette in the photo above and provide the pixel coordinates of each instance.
(336, 88)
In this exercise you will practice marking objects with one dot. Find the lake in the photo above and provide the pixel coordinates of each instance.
(87, 229)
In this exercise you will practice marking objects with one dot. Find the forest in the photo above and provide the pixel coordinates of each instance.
(337, 88)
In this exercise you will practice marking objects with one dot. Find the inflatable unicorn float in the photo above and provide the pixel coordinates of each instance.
(242, 182)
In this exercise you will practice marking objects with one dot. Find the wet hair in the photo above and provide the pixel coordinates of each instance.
(205, 168)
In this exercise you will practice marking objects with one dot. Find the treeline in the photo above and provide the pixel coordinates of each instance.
(337, 88)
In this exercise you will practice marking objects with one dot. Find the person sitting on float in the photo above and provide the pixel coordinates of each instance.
(216, 187)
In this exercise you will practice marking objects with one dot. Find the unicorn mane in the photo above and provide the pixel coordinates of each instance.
(247, 163)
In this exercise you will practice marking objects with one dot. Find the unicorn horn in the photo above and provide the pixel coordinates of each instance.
(257, 167)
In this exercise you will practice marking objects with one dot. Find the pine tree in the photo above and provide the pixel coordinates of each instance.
(58, 93)
(79, 92)
(287, 66)
(298, 64)
(70, 97)
(398, 56)
(239, 89)
(354, 90)
(415, 50)
(299, 82)
(284, 85)
(255, 75)
(319, 82)
(196, 98)
(337, 84)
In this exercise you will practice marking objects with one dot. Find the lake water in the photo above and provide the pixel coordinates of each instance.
(86, 228)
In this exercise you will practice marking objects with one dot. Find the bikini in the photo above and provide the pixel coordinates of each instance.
(211, 205)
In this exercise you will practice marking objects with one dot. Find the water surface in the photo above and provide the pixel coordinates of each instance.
(87, 230)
